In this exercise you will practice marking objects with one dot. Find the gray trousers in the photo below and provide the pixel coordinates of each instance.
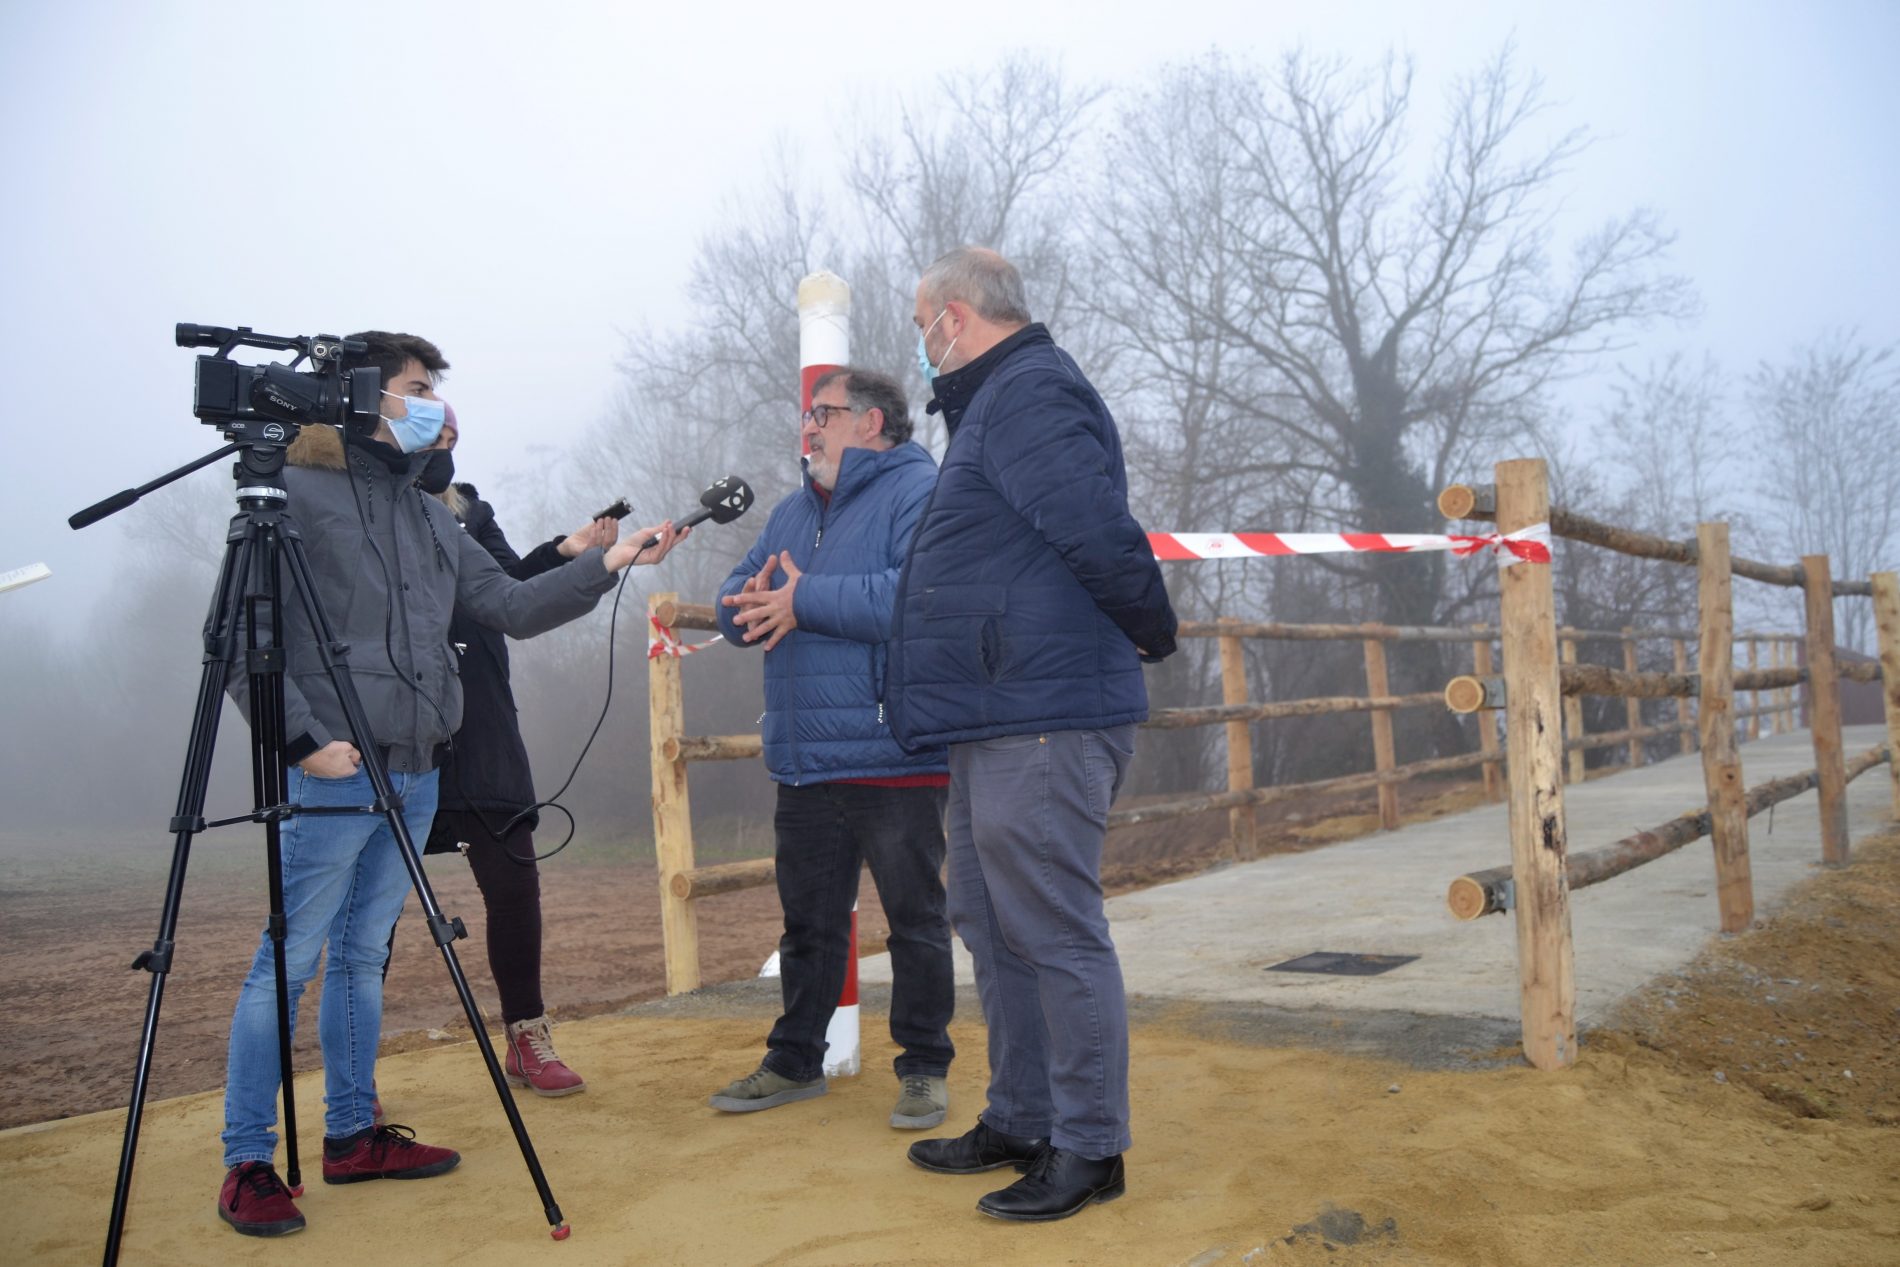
(1027, 815)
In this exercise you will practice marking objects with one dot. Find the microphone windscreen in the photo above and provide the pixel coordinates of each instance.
(727, 499)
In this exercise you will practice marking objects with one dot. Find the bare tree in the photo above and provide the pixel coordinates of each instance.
(1666, 440)
(1361, 334)
(1831, 415)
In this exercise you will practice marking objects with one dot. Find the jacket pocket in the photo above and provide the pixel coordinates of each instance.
(965, 600)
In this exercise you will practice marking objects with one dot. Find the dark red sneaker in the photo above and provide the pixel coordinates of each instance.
(386, 1152)
(256, 1202)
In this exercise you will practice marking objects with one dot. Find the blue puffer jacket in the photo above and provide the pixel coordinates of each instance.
(1029, 586)
(824, 682)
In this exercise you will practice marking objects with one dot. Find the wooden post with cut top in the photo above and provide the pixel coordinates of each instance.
(1384, 756)
(1824, 696)
(1632, 706)
(1887, 621)
(1547, 990)
(1242, 826)
(1721, 763)
(672, 815)
(1573, 718)
(1687, 737)
(1487, 721)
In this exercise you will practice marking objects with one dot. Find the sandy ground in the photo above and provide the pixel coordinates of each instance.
(1244, 1153)
(74, 912)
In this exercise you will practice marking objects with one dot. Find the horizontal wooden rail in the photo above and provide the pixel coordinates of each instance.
(1487, 892)
(1211, 801)
(1273, 632)
(712, 748)
(722, 877)
(1479, 502)
(677, 615)
(1217, 714)
(1616, 738)
(1322, 633)
(1859, 670)
(1469, 693)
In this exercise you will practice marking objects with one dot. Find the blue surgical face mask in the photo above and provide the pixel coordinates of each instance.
(417, 429)
(924, 366)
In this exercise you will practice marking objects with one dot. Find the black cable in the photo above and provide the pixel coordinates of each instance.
(455, 772)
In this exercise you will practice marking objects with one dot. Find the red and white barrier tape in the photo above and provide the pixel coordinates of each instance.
(663, 641)
(1526, 545)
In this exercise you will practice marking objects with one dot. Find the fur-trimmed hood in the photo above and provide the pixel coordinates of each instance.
(320, 448)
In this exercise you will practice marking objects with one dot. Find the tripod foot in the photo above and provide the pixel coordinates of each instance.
(560, 1233)
(297, 1191)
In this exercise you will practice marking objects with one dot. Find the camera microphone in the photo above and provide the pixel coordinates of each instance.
(722, 503)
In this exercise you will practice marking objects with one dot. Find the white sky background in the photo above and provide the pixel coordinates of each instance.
(524, 185)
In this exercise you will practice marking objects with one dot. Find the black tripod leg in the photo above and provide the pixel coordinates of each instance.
(186, 822)
(442, 929)
(269, 787)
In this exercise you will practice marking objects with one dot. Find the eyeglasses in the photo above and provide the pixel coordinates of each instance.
(820, 415)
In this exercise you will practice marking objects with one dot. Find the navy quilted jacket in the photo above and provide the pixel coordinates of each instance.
(824, 682)
(1030, 586)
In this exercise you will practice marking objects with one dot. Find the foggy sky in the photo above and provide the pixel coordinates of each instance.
(524, 187)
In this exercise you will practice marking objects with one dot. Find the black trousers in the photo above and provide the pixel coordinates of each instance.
(510, 882)
(826, 832)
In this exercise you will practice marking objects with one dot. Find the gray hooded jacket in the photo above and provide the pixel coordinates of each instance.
(400, 658)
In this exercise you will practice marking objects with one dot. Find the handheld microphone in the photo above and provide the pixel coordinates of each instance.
(722, 503)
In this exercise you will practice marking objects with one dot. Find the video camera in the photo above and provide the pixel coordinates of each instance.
(233, 396)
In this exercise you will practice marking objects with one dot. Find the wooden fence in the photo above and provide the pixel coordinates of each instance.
(683, 883)
(1538, 682)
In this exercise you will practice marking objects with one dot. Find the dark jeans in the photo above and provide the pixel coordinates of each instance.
(1027, 817)
(825, 832)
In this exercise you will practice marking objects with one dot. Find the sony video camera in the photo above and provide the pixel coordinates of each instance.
(233, 396)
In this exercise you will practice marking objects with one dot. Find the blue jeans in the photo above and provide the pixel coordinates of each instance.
(826, 831)
(1027, 817)
(344, 884)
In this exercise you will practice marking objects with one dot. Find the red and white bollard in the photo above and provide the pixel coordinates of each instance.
(824, 344)
(824, 332)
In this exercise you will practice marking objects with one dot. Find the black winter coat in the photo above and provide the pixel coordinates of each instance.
(486, 768)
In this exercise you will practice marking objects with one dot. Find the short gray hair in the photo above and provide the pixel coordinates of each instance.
(868, 389)
(981, 278)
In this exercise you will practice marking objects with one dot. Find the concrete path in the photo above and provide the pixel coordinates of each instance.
(1211, 938)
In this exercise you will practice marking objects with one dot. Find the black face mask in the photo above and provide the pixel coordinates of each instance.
(438, 472)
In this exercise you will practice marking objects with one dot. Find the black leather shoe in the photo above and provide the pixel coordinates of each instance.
(1059, 1183)
(975, 1151)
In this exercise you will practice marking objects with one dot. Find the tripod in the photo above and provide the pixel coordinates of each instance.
(262, 546)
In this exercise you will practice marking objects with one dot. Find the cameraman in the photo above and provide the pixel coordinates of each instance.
(390, 565)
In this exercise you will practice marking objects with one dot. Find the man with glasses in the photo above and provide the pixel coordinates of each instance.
(816, 592)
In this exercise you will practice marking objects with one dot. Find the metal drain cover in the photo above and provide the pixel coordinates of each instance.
(1334, 963)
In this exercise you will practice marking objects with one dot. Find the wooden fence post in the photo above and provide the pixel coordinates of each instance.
(1687, 737)
(1887, 620)
(1547, 988)
(1632, 707)
(1721, 764)
(1242, 826)
(1384, 758)
(1488, 721)
(1824, 694)
(1573, 719)
(1754, 707)
(672, 816)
